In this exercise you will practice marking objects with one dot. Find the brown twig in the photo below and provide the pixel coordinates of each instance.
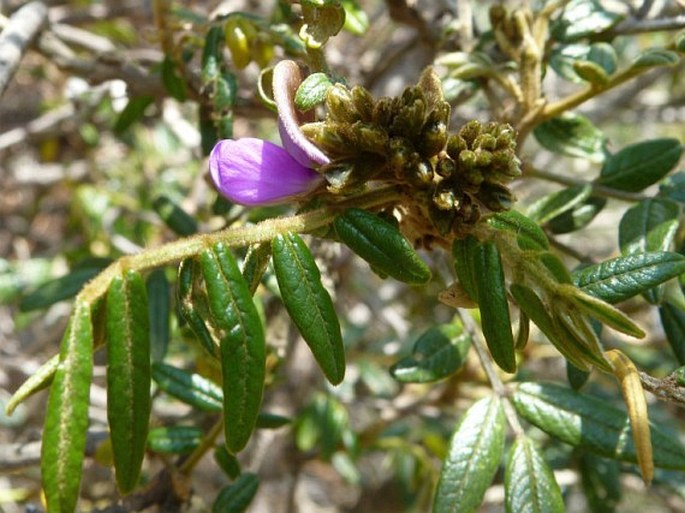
(667, 389)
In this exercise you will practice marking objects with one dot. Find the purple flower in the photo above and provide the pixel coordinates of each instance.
(255, 172)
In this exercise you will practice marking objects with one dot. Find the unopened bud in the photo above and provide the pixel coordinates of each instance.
(340, 106)
(445, 167)
(363, 102)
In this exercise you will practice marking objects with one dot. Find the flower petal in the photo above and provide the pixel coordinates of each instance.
(286, 80)
(255, 172)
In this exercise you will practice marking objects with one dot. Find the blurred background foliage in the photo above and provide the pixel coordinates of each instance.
(103, 133)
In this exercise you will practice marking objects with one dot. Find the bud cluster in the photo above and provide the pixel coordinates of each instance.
(405, 141)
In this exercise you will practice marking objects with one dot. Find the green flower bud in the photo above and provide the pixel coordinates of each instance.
(420, 173)
(400, 153)
(455, 145)
(483, 158)
(445, 199)
(237, 42)
(383, 112)
(363, 102)
(434, 132)
(485, 142)
(409, 119)
(445, 167)
(430, 84)
(370, 138)
(340, 106)
(467, 160)
(470, 131)
(495, 197)
(333, 138)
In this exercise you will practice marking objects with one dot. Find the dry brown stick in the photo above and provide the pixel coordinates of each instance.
(22, 27)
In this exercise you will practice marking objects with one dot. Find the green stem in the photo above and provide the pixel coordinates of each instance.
(206, 444)
(233, 237)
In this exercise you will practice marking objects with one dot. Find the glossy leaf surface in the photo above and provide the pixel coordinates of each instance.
(529, 483)
(438, 353)
(191, 388)
(242, 346)
(474, 454)
(309, 304)
(382, 245)
(236, 497)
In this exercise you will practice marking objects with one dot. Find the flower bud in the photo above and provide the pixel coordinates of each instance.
(470, 131)
(455, 145)
(238, 43)
(383, 112)
(340, 106)
(445, 167)
(363, 103)
(495, 197)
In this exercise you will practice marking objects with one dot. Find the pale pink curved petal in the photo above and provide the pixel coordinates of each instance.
(256, 172)
(286, 80)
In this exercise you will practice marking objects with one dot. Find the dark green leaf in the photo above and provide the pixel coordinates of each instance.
(174, 439)
(312, 91)
(172, 80)
(654, 57)
(309, 304)
(578, 217)
(673, 322)
(256, 261)
(272, 421)
(382, 245)
(573, 135)
(624, 277)
(189, 304)
(529, 484)
(559, 202)
(236, 497)
(640, 165)
(474, 454)
(575, 376)
(128, 375)
(529, 234)
(174, 216)
(211, 53)
(582, 18)
(673, 187)
(66, 420)
(64, 287)
(600, 479)
(191, 388)
(438, 353)
(591, 423)
(159, 306)
(134, 110)
(243, 351)
(651, 225)
(494, 308)
(464, 252)
(227, 462)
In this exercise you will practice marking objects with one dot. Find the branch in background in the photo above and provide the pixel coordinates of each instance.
(637, 26)
(401, 12)
(666, 389)
(21, 29)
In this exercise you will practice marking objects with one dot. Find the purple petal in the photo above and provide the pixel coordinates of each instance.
(255, 172)
(286, 80)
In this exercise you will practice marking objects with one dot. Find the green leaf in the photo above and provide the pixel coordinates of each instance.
(564, 58)
(578, 217)
(227, 462)
(673, 322)
(591, 423)
(673, 187)
(190, 304)
(529, 234)
(66, 420)
(494, 308)
(655, 57)
(582, 18)
(309, 304)
(128, 375)
(312, 91)
(438, 353)
(601, 482)
(464, 252)
(474, 454)
(255, 263)
(191, 388)
(623, 277)
(591, 72)
(243, 351)
(211, 54)
(236, 497)
(174, 439)
(640, 165)
(159, 310)
(174, 216)
(172, 80)
(650, 225)
(559, 202)
(381, 245)
(272, 421)
(575, 376)
(529, 483)
(321, 23)
(39, 380)
(356, 20)
(134, 110)
(323, 422)
(64, 287)
(573, 135)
